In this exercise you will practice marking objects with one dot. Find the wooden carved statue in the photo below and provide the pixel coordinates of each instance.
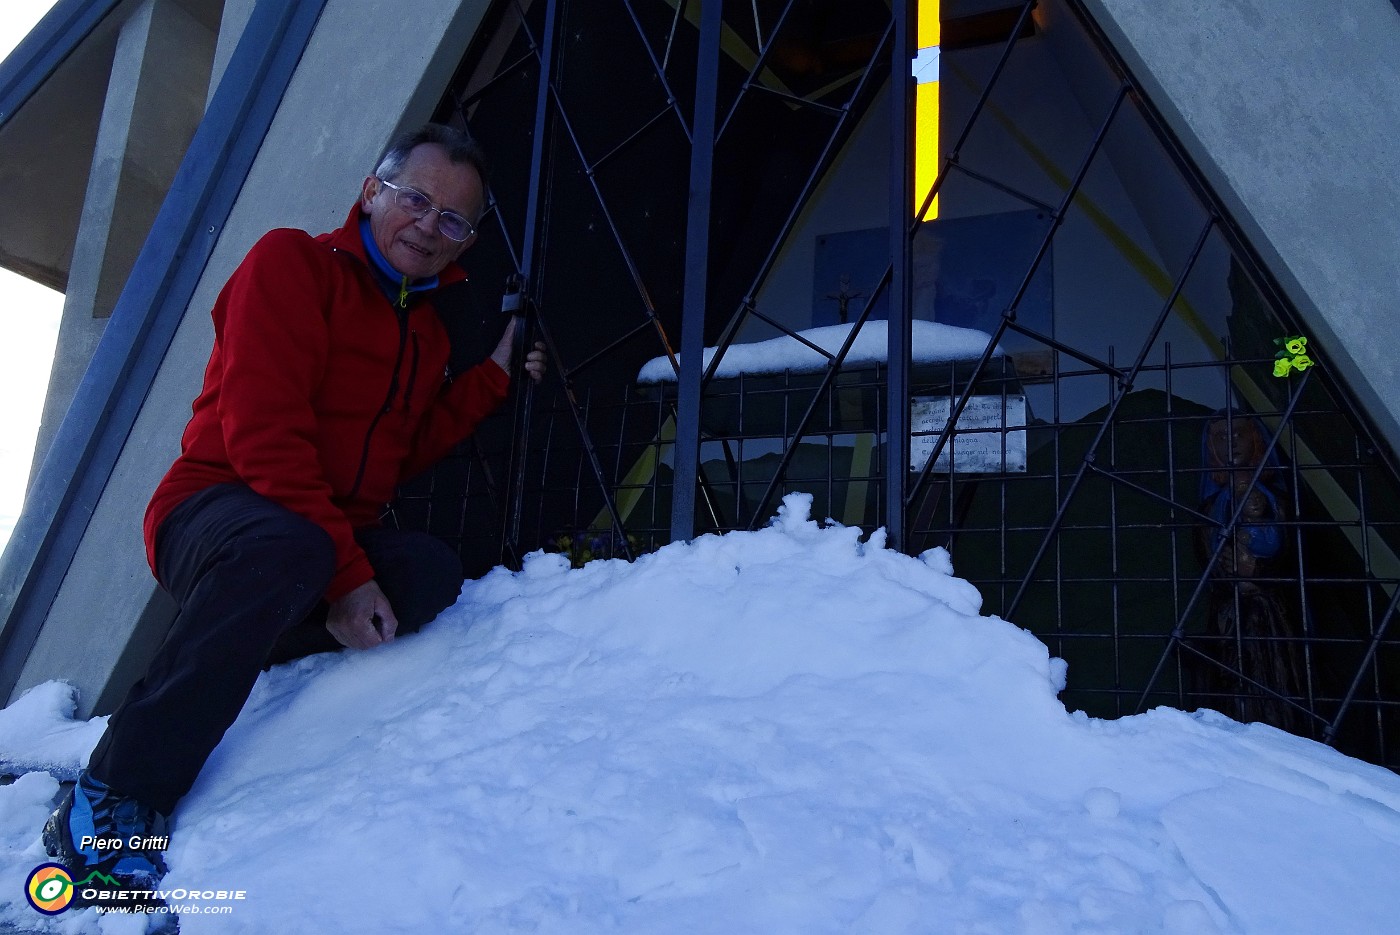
(1253, 633)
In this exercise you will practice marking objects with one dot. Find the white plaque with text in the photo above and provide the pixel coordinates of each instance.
(990, 437)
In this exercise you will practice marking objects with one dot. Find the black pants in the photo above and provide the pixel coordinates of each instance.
(248, 576)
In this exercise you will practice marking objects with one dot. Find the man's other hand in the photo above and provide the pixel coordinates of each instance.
(362, 618)
(535, 362)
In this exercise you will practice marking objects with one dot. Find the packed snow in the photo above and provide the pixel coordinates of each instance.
(929, 343)
(784, 731)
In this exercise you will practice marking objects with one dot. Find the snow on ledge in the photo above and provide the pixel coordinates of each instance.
(932, 343)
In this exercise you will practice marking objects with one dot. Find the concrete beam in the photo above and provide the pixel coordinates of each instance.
(154, 101)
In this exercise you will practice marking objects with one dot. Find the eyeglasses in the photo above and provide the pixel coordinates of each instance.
(452, 225)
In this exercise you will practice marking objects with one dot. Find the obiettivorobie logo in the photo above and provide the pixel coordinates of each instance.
(50, 889)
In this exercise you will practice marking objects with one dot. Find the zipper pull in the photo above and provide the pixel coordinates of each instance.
(403, 293)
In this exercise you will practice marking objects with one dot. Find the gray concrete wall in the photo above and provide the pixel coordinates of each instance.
(1290, 108)
(361, 78)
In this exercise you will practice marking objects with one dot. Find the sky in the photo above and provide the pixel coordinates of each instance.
(791, 731)
(29, 315)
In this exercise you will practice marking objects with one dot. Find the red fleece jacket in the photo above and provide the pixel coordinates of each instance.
(320, 394)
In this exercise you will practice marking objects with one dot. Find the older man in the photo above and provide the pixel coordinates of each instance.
(325, 389)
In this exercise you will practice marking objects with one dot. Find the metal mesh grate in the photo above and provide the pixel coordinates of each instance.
(1180, 524)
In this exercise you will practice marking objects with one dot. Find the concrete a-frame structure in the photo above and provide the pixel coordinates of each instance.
(1286, 111)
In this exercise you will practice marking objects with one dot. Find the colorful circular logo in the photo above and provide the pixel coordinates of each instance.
(49, 888)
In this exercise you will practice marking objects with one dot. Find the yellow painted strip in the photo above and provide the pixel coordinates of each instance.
(930, 26)
(927, 157)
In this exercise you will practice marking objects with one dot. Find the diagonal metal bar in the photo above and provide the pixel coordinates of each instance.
(1120, 393)
(671, 36)
(1119, 479)
(1263, 689)
(1010, 314)
(1001, 186)
(1329, 734)
(762, 63)
(1102, 366)
(509, 71)
(546, 95)
(592, 359)
(824, 160)
(660, 68)
(832, 368)
(648, 305)
(796, 99)
(632, 138)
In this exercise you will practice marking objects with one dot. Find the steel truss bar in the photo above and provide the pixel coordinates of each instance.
(632, 270)
(563, 117)
(1240, 247)
(1008, 316)
(519, 446)
(795, 99)
(1098, 366)
(832, 368)
(824, 160)
(636, 135)
(524, 396)
(592, 359)
(1330, 733)
(796, 337)
(671, 35)
(1124, 387)
(1265, 689)
(1117, 478)
(660, 69)
(1002, 187)
(501, 224)
(467, 101)
(1178, 631)
(757, 69)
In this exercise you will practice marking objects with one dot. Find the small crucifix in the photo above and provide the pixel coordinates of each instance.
(844, 297)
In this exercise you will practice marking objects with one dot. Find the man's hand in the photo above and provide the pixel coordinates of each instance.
(362, 618)
(534, 360)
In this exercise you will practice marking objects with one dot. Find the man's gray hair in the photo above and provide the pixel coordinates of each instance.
(461, 149)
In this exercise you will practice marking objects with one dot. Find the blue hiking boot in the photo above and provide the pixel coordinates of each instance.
(96, 829)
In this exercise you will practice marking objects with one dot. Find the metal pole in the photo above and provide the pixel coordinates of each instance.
(520, 296)
(898, 326)
(697, 262)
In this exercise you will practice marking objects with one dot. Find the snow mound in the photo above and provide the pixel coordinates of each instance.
(38, 732)
(784, 731)
(930, 343)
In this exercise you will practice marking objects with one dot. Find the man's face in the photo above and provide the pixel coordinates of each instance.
(414, 246)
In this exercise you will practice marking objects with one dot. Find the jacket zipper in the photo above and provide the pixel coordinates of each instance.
(412, 376)
(402, 316)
